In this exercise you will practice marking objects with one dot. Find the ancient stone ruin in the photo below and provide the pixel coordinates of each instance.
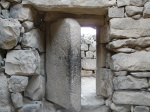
(40, 55)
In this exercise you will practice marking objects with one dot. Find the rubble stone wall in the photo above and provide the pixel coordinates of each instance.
(123, 53)
(88, 55)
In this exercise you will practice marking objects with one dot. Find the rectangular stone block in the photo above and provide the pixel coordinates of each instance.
(88, 64)
(85, 73)
(134, 29)
(101, 55)
(129, 82)
(131, 98)
(104, 82)
(22, 62)
(115, 12)
(72, 6)
(103, 34)
(63, 64)
(138, 61)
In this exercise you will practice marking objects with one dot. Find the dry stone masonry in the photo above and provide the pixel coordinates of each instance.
(40, 48)
(88, 54)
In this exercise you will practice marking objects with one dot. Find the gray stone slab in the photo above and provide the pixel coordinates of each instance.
(129, 82)
(132, 97)
(134, 29)
(72, 6)
(131, 62)
(104, 83)
(63, 65)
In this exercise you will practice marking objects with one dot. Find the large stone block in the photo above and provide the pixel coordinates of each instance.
(4, 92)
(17, 99)
(129, 82)
(77, 6)
(36, 88)
(133, 10)
(141, 109)
(121, 3)
(138, 2)
(132, 98)
(22, 62)
(10, 33)
(132, 43)
(120, 108)
(22, 13)
(63, 65)
(101, 55)
(140, 74)
(134, 29)
(115, 12)
(88, 64)
(17, 83)
(104, 82)
(33, 39)
(131, 62)
(146, 12)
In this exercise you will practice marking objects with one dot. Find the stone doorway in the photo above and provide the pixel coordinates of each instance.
(70, 97)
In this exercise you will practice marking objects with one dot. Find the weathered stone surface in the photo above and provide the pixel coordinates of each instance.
(17, 100)
(33, 39)
(10, 33)
(138, 2)
(120, 108)
(84, 47)
(129, 82)
(132, 98)
(82, 54)
(36, 88)
(49, 107)
(135, 28)
(22, 62)
(99, 109)
(5, 4)
(5, 109)
(88, 64)
(124, 50)
(92, 47)
(31, 108)
(17, 83)
(89, 54)
(120, 73)
(140, 74)
(131, 62)
(5, 14)
(104, 34)
(133, 10)
(80, 6)
(104, 83)
(63, 66)
(137, 17)
(22, 13)
(85, 73)
(121, 3)
(115, 12)
(141, 109)
(28, 25)
(141, 42)
(4, 92)
(101, 55)
(146, 12)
